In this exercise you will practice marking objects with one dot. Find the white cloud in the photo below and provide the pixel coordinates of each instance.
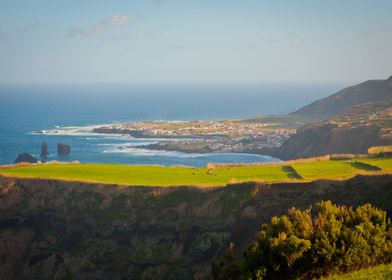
(101, 27)
(118, 20)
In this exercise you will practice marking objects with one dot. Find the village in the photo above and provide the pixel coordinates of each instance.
(204, 136)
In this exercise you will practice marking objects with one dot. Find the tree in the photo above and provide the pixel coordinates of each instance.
(336, 239)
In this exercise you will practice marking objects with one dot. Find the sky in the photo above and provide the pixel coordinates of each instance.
(195, 40)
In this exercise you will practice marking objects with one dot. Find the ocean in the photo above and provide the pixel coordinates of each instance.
(25, 108)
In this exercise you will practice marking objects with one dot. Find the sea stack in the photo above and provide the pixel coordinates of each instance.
(63, 149)
(44, 150)
(25, 157)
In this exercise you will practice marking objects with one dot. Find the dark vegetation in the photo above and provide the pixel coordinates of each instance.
(51, 229)
(313, 243)
(364, 166)
(292, 173)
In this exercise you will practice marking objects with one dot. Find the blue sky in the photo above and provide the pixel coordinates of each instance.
(195, 40)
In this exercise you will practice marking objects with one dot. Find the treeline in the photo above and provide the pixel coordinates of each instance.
(313, 243)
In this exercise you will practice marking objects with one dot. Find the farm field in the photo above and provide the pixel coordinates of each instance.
(385, 165)
(216, 176)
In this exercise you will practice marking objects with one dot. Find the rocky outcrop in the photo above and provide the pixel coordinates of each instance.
(111, 130)
(25, 157)
(63, 149)
(51, 229)
(44, 150)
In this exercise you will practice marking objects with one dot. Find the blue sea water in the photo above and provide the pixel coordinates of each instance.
(25, 108)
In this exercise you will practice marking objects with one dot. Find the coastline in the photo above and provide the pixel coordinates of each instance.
(189, 137)
(221, 136)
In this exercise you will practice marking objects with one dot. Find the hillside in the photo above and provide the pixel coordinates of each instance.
(354, 131)
(51, 229)
(331, 106)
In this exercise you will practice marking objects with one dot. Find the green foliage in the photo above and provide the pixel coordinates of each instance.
(379, 150)
(294, 246)
(365, 166)
(292, 173)
(379, 162)
(381, 272)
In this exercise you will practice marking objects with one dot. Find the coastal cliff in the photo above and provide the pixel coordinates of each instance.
(354, 131)
(55, 229)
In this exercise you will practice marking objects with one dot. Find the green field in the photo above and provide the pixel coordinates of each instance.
(176, 176)
(381, 272)
(335, 169)
(385, 165)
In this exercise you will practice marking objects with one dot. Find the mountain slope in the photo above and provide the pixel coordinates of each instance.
(331, 106)
(359, 128)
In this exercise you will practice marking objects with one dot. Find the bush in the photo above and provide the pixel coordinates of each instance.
(295, 246)
(377, 150)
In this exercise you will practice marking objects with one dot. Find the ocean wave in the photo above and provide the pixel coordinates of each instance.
(132, 150)
(67, 130)
(76, 131)
(134, 143)
(88, 131)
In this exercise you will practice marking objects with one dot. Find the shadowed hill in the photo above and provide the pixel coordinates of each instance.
(331, 106)
(359, 128)
(52, 229)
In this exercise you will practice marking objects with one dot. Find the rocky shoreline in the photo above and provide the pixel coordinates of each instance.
(198, 147)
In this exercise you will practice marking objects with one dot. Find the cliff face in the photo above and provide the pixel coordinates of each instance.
(329, 138)
(52, 229)
(354, 131)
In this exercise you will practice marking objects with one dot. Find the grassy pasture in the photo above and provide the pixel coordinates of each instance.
(383, 163)
(380, 272)
(329, 169)
(217, 176)
(149, 175)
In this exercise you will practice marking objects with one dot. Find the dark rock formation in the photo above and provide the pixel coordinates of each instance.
(110, 130)
(63, 149)
(55, 229)
(25, 157)
(44, 150)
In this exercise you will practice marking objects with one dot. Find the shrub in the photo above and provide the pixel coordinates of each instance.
(345, 156)
(308, 244)
(376, 150)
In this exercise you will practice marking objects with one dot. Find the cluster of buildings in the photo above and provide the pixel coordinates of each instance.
(194, 128)
(245, 143)
(215, 136)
